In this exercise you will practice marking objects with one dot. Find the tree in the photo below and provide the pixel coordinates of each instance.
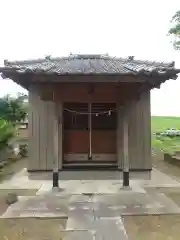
(175, 30)
(13, 109)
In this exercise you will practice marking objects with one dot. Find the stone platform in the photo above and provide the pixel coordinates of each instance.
(107, 205)
(92, 216)
(93, 203)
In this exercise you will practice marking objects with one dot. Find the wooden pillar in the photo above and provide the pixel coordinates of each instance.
(57, 142)
(118, 137)
(60, 132)
(125, 147)
(55, 148)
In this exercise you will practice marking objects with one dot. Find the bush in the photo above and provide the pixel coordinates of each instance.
(6, 133)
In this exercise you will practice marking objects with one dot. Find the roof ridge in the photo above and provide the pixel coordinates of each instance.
(129, 59)
(7, 62)
(49, 58)
(154, 63)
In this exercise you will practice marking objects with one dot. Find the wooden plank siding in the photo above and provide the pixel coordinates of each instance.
(139, 120)
(50, 147)
(140, 133)
(41, 118)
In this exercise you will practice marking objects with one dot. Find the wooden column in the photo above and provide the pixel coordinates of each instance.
(118, 137)
(60, 132)
(55, 148)
(125, 147)
(57, 136)
(56, 139)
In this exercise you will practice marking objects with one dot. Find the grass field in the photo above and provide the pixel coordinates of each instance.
(162, 123)
(159, 124)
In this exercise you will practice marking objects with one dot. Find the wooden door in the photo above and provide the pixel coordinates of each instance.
(76, 132)
(89, 132)
(104, 121)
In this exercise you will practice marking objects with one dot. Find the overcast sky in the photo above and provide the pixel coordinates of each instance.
(36, 28)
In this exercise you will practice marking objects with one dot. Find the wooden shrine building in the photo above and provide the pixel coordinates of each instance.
(89, 110)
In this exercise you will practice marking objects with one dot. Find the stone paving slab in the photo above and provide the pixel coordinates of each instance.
(68, 187)
(110, 228)
(68, 179)
(103, 228)
(133, 204)
(78, 235)
(38, 206)
(80, 198)
(86, 187)
(20, 185)
(107, 205)
(80, 219)
(110, 187)
(81, 201)
(89, 175)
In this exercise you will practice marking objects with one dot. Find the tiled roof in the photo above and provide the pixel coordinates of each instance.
(92, 64)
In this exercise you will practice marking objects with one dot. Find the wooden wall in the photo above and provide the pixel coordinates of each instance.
(83, 92)
(140, 133)
(139, 120)
(41, 118)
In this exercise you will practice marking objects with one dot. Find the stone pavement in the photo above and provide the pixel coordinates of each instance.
(107, 205)
(38, 206)
(93, 203)
(75, 182)
(92, 216)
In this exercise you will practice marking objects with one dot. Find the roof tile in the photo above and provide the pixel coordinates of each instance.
(92, 64)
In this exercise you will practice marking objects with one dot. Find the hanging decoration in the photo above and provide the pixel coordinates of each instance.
(108, 112)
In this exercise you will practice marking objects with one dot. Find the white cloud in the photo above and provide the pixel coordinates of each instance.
(33, 29)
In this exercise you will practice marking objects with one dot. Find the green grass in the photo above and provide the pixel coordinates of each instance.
(166, 144)
(160, 124)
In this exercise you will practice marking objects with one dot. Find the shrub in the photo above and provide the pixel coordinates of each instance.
(6, 133)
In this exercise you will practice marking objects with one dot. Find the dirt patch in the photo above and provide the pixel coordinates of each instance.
(18, 192)
(11, 168)
(31, 228)
(165, 167)
(153, 227)
(164, 190)
(162, 227)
